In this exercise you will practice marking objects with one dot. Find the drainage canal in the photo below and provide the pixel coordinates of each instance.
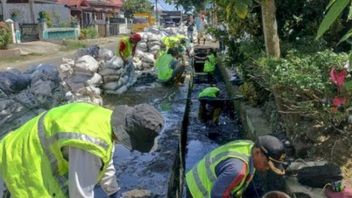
(200, 138)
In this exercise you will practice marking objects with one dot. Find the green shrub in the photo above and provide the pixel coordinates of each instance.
(5, 35)
(88, 33)
(43, 15)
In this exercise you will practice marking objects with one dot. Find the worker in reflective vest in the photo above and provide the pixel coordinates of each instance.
(227, 170)
(127, 46)
(210, 62)
(210, 106)
(67, 150)
(169, 70)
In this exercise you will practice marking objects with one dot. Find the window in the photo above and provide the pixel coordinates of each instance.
(99, 15)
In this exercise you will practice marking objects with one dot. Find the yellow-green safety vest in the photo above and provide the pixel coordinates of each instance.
(209, 92)
(32, 163)
(128, 50)
(209, 65)
(170, 41)
(163, 68)
(200, 179)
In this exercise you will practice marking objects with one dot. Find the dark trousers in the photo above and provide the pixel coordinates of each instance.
(209, 109)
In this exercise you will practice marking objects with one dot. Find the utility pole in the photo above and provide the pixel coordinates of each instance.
(156, 13)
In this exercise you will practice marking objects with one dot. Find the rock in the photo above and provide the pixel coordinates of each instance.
(137, 193)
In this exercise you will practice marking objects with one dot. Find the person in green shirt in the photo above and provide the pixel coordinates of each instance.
(210, 106)
(169, 69)
(210, 62)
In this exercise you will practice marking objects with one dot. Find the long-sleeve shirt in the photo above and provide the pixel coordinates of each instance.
(84, 169)
(230, 173)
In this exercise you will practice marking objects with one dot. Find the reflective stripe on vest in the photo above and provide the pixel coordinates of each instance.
(66, 135)
(202, 177)
(32, 162)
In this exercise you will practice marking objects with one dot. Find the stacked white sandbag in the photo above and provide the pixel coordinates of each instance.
(117, 76)
(147, 49)
(81, 79)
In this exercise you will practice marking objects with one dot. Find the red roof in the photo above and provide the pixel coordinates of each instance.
(78, 3)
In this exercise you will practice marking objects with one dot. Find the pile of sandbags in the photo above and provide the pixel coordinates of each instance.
(25, 95)
(143, 60)
(81, 80)
(147, 49)
(117, 76)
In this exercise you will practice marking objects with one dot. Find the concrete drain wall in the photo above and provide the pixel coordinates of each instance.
(196, 142)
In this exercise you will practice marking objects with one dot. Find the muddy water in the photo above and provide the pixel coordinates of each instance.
(199, 142)
(150, 171)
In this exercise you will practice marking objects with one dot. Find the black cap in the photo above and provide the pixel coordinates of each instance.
(274, 149)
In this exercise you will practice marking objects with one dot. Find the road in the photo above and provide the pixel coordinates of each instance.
(54, 59)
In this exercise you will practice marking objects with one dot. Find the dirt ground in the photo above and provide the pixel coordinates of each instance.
(337, 149)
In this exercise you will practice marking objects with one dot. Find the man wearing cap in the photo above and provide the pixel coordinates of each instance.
(67, 150)
(169, 70)
(210, 106)
(127, 46)
(227, 170)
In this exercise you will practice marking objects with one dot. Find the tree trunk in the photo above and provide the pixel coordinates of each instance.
(272, 41)
(31, 10)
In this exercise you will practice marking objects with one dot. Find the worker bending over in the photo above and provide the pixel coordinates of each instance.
(127, 47)
(169, 69)
(210, 106)
(67, 150)
(226, 171)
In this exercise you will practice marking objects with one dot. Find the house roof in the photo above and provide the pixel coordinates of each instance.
(78, 3)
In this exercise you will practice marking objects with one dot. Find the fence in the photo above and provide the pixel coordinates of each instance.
(29, 32)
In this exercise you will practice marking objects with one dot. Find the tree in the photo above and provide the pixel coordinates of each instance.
(134, 6)
(189, 4)
(271, 37)
(268, 9)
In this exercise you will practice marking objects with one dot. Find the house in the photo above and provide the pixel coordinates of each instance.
(27, 11)
(92, 12)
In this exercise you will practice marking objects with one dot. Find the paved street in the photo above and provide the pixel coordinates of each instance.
(54, 58)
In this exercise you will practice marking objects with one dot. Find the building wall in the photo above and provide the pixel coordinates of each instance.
(59, 13)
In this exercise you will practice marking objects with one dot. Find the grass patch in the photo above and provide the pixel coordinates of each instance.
(72, 45)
